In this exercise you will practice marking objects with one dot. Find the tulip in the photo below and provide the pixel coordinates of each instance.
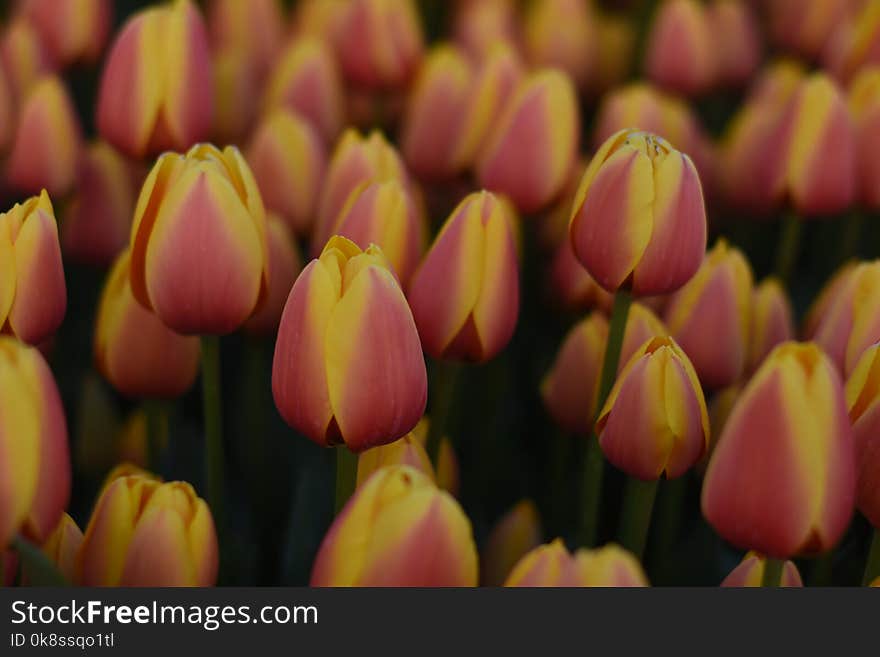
(562, 34)
(33, 445)
(465, 294)
(306, 79)
(433, 118)
(7, 113)
(348, 366)
(97, 220)
(737, 41)
(616, 40)
(553, 565)
(407, 451)
(288, 160)
(531, 149)
(380, 43)
(235, 89)
(198, 243)
(804, 27)
(863, 401)
(25, 56)
(33, 295)
(681, 54)
(134, 350)
(864, 105)
(710, 317)
(285, 264)
(398, 530)
(477, 25)
(72, 30)
(254, 28)
(156, 88)
(722, 405)
(772, 322)
(146, 533)
(319, 18)
(573, 285)
(782, 477)
(126, 469)
(515, 534)
(854, 43)
(47, 141)
(638, 221)
(750, 572)
(62, 546)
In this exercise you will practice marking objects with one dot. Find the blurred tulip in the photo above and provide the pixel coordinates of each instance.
(479, 24)
(553, 565)
(288, 160)
(805, 27)
(319, 18)
(25, 57)
(146, 533)
(863, 401)
(864, 106)
(515, 534)
(750, 572)
(398, 529)
(616, 47)
(306, 79)
(531, 148)
(198, 243)
(7, 113)
(782, 478)
(562, 34)
(33, 294)
(62, 546)
(156, 87)
(681, 54)
(432, 121)
(711, 316)
(47, 141)
(854, 44)
(737, 41)
(236, 94)
(465, 294)
(639, 221)
(348, 365)
(405, 451)
(285, 264)
(573, 284)
(380, 42)
(134, 350)
(255, 28)
(74, 31)
(772, 321)
(97, 220)
(34, 452)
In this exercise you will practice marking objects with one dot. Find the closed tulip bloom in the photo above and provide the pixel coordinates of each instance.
(736, 41)
(63, 545)
(863, 401)
(530, 151)
(47, 141)
(562, 34)
(198, 243)
(348, 365)
(405, 451)
(134, 350)
(235, 88)
(782, 478)
(655, 419)
(750, 572)
(156, 88)
(864, 105)
(398, 529)
(255, 28)
(33, 294)
(465, 294)
(433, 117)
(72, 30)
(515, 534)
(146, 533)
(479, 24)
(681, 54)
(34, 453)
(25, 56)
(772, 321)
(639, 221)
(711, 316)
(854, 44)
(288, 160)
(805, 27)
(573, 285)
(553, 565)
(306, 79)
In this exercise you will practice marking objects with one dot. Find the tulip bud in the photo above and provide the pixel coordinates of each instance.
(235, 88)
(34, 454)
(737, 41)
(285, 264)
(639, 221)
(47, 141)
(750, 572)
(711, 315)
(134, 350)
(348, 365)
(398, 529)
(25, 57)
(681, 53)
(288, 160)
(63, 545)
(380, 43)
(531, 149)
(477, 25)
(515, 534)
(254, 28)
(146, 533)
(553, 565)
(782, 477)
(306, 79)
(864, 105)
(562, 34)
(863, 401)
(854, 44)
(433, 118)
(33, 295)
(772, 322)
(804, 27)
(72, 30)
(156, 88)
(405, 451)
(465, 294)
(97, 220)
(198, 243)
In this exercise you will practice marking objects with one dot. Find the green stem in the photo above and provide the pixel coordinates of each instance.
(638, 504)
(788, 247)
(157, 432)
(214, 458)
(346, 475)
(39, 569)
(872, 567)
(616, 331)
(772, 573)
(591, 492)
(822, 570)
(670, 506)
(560, 446)
(444, 386)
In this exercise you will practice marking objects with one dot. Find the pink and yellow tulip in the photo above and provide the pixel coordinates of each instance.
(408, 451)
(854, 44)
(63, 545)
(25, 56)
(553, 565)
(254, 28)
(772, 321)
(864, 105)
(750, 572)
(514, 535)
(804, 28)
(737, 41)
(74, 31)
(863, 401)
(477, 25)
(681, 54)
(562, 34)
